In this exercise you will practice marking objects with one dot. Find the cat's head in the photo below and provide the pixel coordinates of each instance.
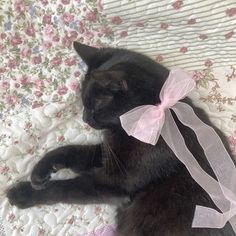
(116, 81)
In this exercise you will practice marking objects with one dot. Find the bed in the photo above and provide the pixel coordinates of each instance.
(40, 74)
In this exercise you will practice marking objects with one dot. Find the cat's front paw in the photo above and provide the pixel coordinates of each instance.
(22, 195)
(40, 178)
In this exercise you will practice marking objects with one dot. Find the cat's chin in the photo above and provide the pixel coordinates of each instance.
(95, 126)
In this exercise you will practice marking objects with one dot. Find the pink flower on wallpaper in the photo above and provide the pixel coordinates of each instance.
(17, 85)
(62, 90)
(2, 47)
(229, 35)
(66, 41)
(77, 74)
(44, 2)
(12, 63)
(5, 85)
(67, 18)
(159, 58)
(11, 99)
(124, 34)
(3, 35)
(106, 30)
(71, 220)
(164, 25)
(30, 31)
(2, 69)
(208, 63)
(192, 21)
(88, 35)
(73, 35)
(197, 75)
(99, 5)
(60, 138)
(116, 20)
(28, 125)
(36, 104)
(91, 16)
(65, 2)
(177, 4)
(139, 24)
(232, 142)
(36, 60)
(49, 31)
(56, 61)
(24, 80)
(56, 38)
(26, 52)
(47, 19)
(81, 26)
(39, 84)
(70, 61)
(183, 49)
(16, 40)
(98, 210)
(38, 93)
(203, 36)
(41, 231)
(11, 216)
(231, 12)
(19, 6)
(74, 85)
(4, 170)
(47, 45)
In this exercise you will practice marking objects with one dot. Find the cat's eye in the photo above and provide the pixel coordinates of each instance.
(102, 101)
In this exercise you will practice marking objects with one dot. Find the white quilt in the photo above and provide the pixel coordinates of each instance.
(40, 77)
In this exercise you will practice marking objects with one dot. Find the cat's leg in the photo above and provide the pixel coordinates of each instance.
(84, 189)
(76, 157)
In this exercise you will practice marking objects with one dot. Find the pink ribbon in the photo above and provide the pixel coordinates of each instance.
(148, 122)
(107, 230)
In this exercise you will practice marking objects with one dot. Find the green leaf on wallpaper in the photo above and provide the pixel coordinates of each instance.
(1, 20)
(55, 83)
(203, 83)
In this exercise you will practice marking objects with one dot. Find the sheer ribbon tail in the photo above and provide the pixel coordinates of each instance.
(205, 217)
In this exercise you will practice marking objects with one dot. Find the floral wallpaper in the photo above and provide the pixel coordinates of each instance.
(40, 105)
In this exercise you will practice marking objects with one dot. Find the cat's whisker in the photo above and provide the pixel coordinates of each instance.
(116, 159)
(109, 161)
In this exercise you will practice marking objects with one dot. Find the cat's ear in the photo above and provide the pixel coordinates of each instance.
(86, 52)
(114, 81)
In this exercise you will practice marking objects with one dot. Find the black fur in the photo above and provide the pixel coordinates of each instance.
(157, 194)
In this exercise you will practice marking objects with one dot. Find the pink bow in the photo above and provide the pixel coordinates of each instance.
(148, 122)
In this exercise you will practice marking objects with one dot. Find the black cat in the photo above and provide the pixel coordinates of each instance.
(154, 191)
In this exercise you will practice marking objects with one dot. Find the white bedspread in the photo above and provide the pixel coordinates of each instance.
(40, 80)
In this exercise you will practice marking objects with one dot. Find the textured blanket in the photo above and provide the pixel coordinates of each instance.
(40, 78)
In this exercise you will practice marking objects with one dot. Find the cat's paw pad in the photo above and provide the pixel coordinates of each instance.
(22, 195)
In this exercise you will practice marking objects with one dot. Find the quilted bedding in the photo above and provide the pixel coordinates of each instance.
(40, 75)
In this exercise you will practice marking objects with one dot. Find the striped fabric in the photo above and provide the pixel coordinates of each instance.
(191, 34)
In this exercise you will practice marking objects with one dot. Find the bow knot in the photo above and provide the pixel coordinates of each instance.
(148, 122)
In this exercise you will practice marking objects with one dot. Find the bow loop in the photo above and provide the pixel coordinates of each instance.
(145, 122)
(148, 122)
(135, 123)
(176, 87)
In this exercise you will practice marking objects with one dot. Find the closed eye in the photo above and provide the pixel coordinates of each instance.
(102, 101)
